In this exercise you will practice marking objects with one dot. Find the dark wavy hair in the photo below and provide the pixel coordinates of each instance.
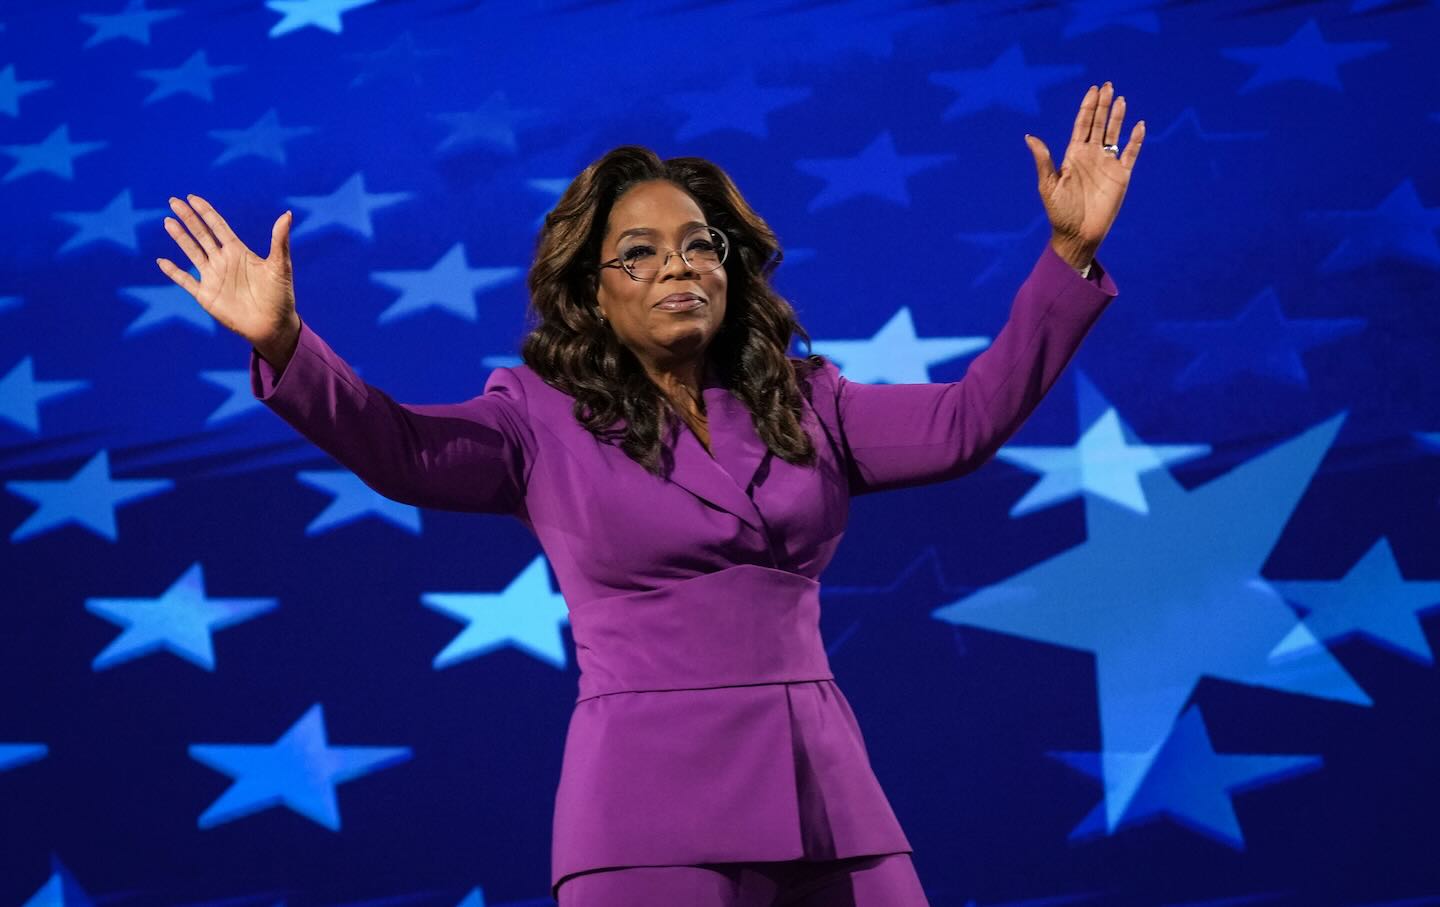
(573, 350)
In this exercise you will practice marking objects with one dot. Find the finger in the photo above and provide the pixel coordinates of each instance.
(1132, 147)
(280, 237)
(1102, 112)
(196, 226)
(187, 245)
(1117, 119)
(1044, 166)
(1085, 116)
(213, 219)
(180, 276)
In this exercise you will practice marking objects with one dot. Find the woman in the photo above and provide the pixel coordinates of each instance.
(688, 481)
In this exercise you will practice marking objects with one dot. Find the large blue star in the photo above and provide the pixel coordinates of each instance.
(448, 284)
(347, 207)
(133, 22)
(54, 154)
(1189, 782)
(12, 90)
(167, 304)
(14, 755)
(741, 104)
(402, 58)
(324, 14)
(1398, 227)
(241, 399)
(21, 395)
(1087, 16)
(526, 614)
(298, 771)
(1009, 82)
(265, 138)
(1167, 598)
(1103, 463)
(878, 170)
(180, 620)
(491, 125)
(1373, 599)
(1260, 340)
(1305, 57)
(353, 500)
(61, 889)
(191, 77)
(88, 498)
(113, 223)
(895, 355)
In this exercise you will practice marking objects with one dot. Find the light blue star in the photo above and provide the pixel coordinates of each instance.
(1103, 463)
(475, 897)
(21, 395)
(60, 890)
(450, 284)
(14, 755)
(492, 125)
(1009, 83)
(742, 104)
(319, 13)
(241, 399)
(1088, 16)
(353, 500)
(895, 355)
(878, 171)
(54, 154)
(1189, 782)
(298, 771)
(88, 498)
(348, 207)
(12, 90)
(1259, 341)
(1167, 598)
(1305, 57)
(265, 138)
(179, 621)
(526, 614)
(191, 77)
(133, 22)
(166, 304)
(113, 223)
(1399, 227)
(1373, 599)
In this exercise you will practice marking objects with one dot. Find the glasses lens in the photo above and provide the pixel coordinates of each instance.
(704, 248)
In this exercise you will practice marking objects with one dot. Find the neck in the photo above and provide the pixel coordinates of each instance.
(679, 381)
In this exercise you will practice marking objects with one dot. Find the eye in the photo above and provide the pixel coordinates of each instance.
(635, 252)
(704, 245)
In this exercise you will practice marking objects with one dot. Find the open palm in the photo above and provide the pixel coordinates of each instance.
(1084, 195)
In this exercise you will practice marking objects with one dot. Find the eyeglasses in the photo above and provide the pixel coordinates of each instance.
(703, 249)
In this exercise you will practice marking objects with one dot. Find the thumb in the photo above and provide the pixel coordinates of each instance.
(1044, 166)
(280, 238)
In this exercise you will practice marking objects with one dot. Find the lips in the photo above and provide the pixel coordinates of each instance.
(675, 299)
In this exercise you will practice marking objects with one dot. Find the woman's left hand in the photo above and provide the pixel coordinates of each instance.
(1083, 198)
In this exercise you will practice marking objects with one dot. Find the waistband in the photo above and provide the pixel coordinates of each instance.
(742, 625)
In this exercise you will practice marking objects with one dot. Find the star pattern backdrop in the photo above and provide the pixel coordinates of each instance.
(1174, 644)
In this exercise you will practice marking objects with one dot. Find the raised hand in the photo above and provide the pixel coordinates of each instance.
(1084, 196)
(250, 295)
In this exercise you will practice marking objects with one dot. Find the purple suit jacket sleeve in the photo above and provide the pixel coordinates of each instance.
(470, 456)
(900, 435)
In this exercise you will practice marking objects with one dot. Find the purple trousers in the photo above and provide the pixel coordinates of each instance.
(887, 880)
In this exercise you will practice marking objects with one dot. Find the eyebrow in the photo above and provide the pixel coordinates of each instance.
(649, 230)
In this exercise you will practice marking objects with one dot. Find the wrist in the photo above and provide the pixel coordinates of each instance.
(1076, 254)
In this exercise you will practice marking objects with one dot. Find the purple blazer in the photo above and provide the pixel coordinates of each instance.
(708, 726)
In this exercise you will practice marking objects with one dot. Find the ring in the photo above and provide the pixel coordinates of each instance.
(1113, 149)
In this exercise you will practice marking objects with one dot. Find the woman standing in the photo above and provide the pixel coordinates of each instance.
(688, 481)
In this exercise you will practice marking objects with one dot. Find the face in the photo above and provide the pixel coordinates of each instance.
(658, 336)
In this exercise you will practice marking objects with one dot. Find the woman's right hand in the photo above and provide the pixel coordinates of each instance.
(250, 295)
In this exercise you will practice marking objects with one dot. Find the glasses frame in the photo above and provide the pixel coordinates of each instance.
(619, 261)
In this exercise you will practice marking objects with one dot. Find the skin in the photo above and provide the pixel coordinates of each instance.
(670, 345)
(255, 297)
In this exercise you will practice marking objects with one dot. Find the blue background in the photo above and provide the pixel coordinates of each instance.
(1175, 644)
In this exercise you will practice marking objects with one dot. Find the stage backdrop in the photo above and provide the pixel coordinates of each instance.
(1174, 644)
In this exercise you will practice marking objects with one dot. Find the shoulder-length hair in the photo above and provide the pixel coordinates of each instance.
(573, 350)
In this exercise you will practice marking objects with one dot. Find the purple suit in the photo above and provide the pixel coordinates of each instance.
(708, 726)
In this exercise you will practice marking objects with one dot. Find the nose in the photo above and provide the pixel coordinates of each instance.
(681, 269)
